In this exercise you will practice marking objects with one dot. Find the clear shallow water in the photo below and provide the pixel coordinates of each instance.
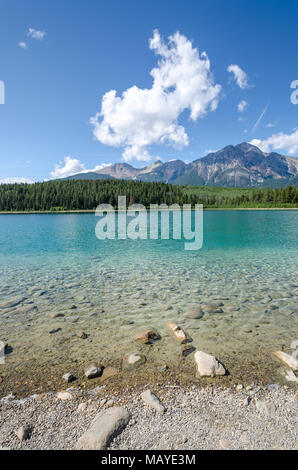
(111, 289)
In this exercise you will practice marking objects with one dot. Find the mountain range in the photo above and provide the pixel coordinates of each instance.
(242, 165)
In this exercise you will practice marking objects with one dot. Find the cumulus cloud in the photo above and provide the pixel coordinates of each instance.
(13, 180)
(144, 117)
(22, 45)
(242, 106)
(239, 76)
(36, 34)
(279, 142)
(72, 166)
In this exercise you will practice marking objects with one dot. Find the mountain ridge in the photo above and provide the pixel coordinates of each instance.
(242, 165)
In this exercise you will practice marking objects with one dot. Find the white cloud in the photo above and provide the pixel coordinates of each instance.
(239, 76)
(13, 180)
(144, 117)
(280, 142)
(22, 45)
(242, 106)
(271, 124)
(100, 167)
(36, 34)
(72, 166)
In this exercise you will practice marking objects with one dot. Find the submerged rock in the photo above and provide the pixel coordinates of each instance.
(133, 360)
(106, 425)
(93, 370)
(187, 349)
(212, 308)
(178, 333)
(3, 348)
(147, 336)
(56, 330)
(82, 335)
(290, 376)
(68, 377)
(56, 315)
(208, 365)
(194, 313)
(290, 361)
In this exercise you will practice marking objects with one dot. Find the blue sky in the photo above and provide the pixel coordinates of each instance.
(59, 58)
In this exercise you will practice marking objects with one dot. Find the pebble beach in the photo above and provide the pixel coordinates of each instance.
(210, 417)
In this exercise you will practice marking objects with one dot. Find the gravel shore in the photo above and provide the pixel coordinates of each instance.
(195, 418)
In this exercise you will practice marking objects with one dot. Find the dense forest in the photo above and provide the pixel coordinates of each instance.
(87, 194)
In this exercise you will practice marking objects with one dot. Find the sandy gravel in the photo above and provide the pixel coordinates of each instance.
(206, 418)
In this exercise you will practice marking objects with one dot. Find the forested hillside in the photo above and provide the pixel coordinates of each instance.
(86, 195)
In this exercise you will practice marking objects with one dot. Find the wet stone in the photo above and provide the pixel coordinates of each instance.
(133, 360)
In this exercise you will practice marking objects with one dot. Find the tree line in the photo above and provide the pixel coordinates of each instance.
(88, 194)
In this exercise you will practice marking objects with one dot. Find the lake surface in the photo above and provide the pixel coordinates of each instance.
(112, 289)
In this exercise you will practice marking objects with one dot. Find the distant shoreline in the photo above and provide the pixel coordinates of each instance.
(92, 211)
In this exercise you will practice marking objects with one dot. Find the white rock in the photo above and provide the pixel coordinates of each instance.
(290, 361)
(151, 400)
(82, 407)
(208, 365)
(110, 402)
(64, 395)
(106, 425)
(290, 376)
(239, 387)
(23, 433)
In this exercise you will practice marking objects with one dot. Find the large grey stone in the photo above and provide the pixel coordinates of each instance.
(93, 370)
(208, 365)
(104, 427)
(287, 359)
(151, 400)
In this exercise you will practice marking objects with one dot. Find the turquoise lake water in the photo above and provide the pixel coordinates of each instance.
(54, 264)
